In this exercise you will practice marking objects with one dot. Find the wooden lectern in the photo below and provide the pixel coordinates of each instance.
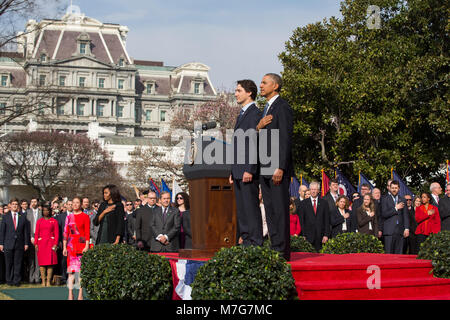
(212, 203)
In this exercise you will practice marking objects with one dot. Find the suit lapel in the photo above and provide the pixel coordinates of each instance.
(243, 116)
(273, 106)
(310, 207)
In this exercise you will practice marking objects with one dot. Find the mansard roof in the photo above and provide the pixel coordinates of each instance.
(62, 44)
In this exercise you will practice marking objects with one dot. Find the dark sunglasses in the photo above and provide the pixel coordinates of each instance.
(178, 198)
(129, 204)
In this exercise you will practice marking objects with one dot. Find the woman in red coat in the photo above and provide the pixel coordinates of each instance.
(293, 219)
(46, 235)
(428, 220)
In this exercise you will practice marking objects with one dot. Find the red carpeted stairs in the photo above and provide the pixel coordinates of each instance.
(347, 277)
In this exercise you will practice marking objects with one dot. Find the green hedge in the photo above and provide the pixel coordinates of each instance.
(245, 273)
(300, 244)
(120, 272)
(437, 249)
(353, 242)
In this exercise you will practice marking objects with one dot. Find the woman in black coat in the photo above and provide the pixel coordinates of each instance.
(340, 217)
(110, 217)
(182, 203)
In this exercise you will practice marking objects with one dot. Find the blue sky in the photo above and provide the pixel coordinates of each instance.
(237, 39)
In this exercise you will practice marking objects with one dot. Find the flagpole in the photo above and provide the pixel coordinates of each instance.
(322, 184)
(359, 178)
(392, 172)
(447, 177)
(301, 178)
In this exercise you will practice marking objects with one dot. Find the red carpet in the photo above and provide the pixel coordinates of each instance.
(345, 277)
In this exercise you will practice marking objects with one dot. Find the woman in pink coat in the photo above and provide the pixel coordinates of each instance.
(46, 241)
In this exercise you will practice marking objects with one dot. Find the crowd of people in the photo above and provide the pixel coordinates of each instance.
(43, 242)
(39, 240)
(402, 223)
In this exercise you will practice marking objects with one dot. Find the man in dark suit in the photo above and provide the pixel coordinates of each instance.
(62, 261)
(411, 246)
(33, 214)
(315, 218)
(376, 195)
(436, 190)
(396, 220)
(444, 209)
(332, 195)
(276, 162)
(301, 196)
(244, 170)
(165, 226)
(130, 224)
(14, 241)
(144, 216)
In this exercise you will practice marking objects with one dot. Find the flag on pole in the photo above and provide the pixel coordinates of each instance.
(362, 179)
(175, 189)
(164, 187)
(154, 187)
(447, 176)
(345, 187)
(303, 181)
(293, 187)
(404, 190)
(325, 183)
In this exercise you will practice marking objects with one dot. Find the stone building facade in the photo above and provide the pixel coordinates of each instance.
(86, 74)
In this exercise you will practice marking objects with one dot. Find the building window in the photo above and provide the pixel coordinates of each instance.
(83, 48)
(4, 81)
(41, 108)
(42, 80)
(80, 110)
(148, 115)
(197, 88)
(121, 62)
(119, 111)
(43, 57)
(101, 83)
(163, 116)
(120, 85)
(149, 88)
(2, 108)
(60, 110)
(62, 81)
(82, 81)
(100, 109)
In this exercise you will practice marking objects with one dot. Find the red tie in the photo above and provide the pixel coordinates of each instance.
(315, 207)
(14, 219)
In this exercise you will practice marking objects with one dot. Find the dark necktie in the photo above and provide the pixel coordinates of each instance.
(164, 214)
(240, 116)
(265, 109)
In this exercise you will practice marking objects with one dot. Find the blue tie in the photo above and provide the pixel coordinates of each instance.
(265, 109)
(240, 115)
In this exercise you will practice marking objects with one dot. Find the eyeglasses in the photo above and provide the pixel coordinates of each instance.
(129, 204)
(178, 198)
(408, 199)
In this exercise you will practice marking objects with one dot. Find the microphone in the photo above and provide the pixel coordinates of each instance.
(209, 125)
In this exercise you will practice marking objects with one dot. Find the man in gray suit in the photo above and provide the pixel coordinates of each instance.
(166, 224)
(143, 222)
(33, 215)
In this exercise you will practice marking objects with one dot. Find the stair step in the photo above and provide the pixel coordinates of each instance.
(357, 284)
(358, 290)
